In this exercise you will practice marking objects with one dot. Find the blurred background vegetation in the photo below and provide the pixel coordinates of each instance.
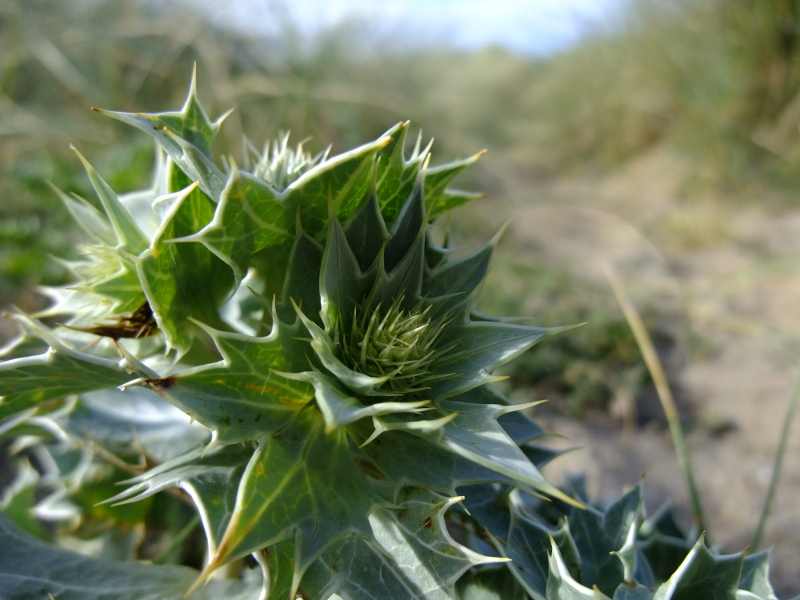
(671, 127)
(714, 82)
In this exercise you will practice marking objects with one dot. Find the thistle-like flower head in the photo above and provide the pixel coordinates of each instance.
(300, 309)
(279, 165)
(397, 344)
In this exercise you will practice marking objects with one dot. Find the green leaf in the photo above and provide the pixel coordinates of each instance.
(210, 476)
(633, 591)
(436, 255)
(140, 202)
(703, 575)
(487, 503)
(663, 542)
(191, 123)
(540, 455)
(361, 571)
(107, 271)
(599, 534)
(340, 183)
(340, 408)
(405, 279)
(366, 232)
(478, 347)
(395, 178)
(415, 534)
(32, 569)
(89, 218)
(124, 422)
(456, 281)
(406, 459)
(279, 562)
(127, 231)
(406, 229)
(266, 280)
(245, 395)
(562, 586)
(755, 576)
(529, 545)
(88, 496)
(27, 343)
(475, 435)
(183, 281)
(300, 483)
(29, 381)
(629, 554)
(20, 494)
(250, 216)
(449, 200)
(186, 136)
(124, 287)
(516, 423)
(340, 283)
(437, 200)
(412, 557)
(745, 595)
(301, 287)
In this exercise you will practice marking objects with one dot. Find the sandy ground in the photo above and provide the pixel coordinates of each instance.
(730, 278)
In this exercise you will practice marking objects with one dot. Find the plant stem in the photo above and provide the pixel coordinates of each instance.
(653, 363)
(776, 468)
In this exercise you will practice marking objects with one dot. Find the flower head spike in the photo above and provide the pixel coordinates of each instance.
(396, 343)
(279, 165)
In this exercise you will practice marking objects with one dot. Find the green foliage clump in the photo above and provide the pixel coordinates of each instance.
(344, 439)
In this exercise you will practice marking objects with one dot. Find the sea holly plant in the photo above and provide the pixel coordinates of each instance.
(343, 439)
(601, 552)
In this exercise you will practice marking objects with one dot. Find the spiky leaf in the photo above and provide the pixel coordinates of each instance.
(474, 434)
(479, 347)
(412, 556)
(529, 544)
(32, 569)
(129, 236)
(124, 422)
(211, 478)
(562, 586)
(186, 136)
(703, 575)
(29, 381)
(300, 483)
(175, 291)
(755, 576)
(250, 216)
(438, 199)
(599, 534)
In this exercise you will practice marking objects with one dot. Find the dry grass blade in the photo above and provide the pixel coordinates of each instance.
(656, 370)
(776, 469)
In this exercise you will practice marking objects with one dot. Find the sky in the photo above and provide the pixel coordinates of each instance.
(534, 27)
